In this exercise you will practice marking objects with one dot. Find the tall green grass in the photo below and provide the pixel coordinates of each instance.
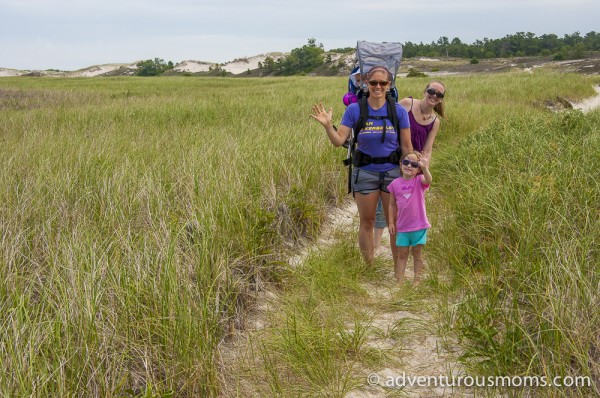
(522, 242)
(138, 216)
(515, 211)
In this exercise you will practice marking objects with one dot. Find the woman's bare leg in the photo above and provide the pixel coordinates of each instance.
(385, 199)
(366, 203)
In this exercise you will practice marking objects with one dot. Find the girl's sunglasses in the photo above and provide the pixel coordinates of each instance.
(406, 162)
(374, 83)
(432, 91)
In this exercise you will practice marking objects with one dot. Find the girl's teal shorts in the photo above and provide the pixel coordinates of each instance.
(412, 238)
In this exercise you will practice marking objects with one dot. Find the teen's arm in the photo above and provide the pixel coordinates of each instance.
(405, 141)
(428, 147)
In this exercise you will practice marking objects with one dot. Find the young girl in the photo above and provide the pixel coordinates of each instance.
(407, 216)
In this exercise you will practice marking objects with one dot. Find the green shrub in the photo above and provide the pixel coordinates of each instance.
(412, 72)
(153, 67)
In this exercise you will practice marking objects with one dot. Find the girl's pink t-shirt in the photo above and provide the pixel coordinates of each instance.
(410, 200)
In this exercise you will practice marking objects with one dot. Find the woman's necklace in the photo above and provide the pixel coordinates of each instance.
(423, 114)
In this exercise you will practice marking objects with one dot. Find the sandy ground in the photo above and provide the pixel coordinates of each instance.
(243, 64)
(92, 71)
(100, 70)
(422, 353)
(193, 66)
(589, 104)
(236, 67)
(10, 72)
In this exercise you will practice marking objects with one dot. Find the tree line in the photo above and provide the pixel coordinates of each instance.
(521, 44)
(311, 56)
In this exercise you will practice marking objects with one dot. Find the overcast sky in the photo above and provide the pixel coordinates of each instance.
(74, 34)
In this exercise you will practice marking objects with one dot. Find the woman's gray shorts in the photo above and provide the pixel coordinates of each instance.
(364, 181)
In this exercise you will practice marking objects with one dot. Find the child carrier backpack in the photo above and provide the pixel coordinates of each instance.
(369, 55)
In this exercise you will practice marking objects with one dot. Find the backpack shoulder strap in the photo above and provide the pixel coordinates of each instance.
(393, 113)
(363, 117)
(359, 125)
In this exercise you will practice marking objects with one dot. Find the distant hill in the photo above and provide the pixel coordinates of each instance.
(235, 67)
(337, 65)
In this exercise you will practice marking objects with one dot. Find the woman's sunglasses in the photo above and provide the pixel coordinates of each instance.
(374, 83)
(406, 162)
(432, 91)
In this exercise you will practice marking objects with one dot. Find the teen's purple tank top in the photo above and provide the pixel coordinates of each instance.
(418, 132)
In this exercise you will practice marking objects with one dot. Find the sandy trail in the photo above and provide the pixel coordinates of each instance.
(421, 352)
(589, 104)
(405, 332)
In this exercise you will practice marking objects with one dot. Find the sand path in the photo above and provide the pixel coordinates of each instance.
(418, 355)
(589, 104)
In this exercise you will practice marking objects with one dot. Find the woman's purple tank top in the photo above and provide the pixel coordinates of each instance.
(418, 132)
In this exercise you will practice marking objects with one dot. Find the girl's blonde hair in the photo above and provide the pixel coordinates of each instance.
(439, 107)
(417, 154)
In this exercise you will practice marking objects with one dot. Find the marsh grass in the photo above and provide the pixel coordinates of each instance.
(138, 217)
(523, 244)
